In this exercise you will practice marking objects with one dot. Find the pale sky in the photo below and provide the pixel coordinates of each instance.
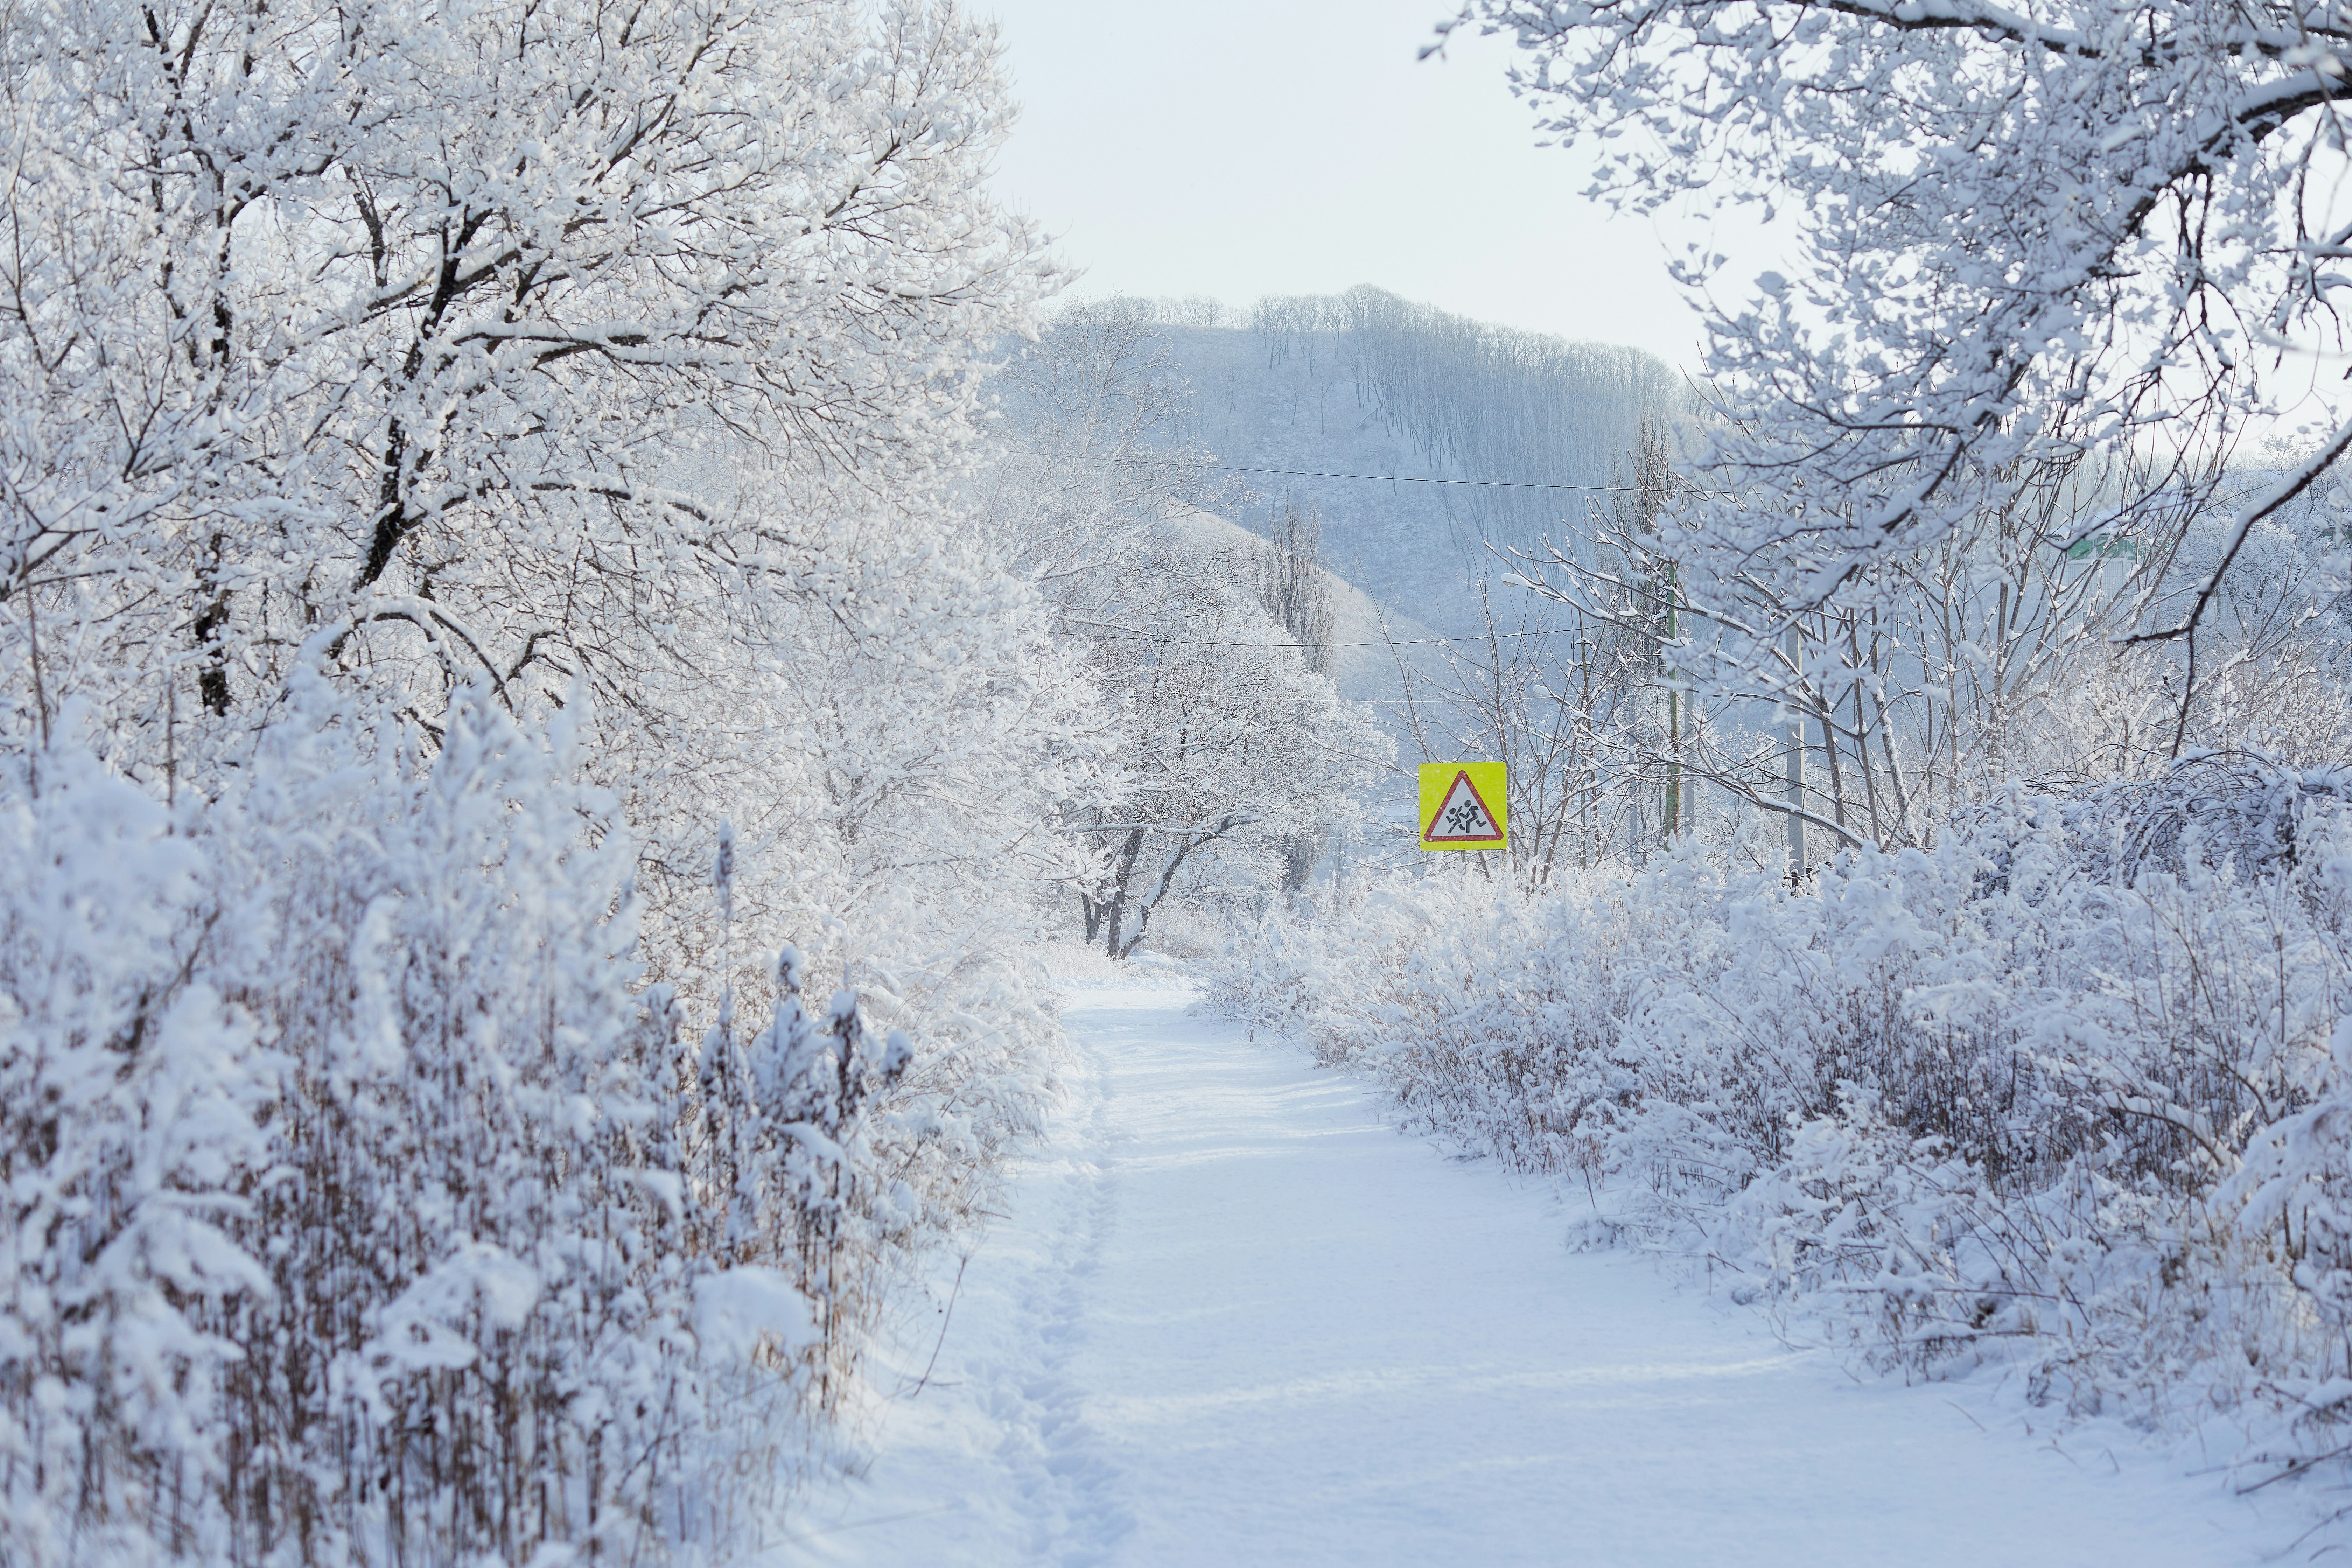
(1296, 146)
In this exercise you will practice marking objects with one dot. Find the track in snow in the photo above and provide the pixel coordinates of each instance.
(1233, 1318)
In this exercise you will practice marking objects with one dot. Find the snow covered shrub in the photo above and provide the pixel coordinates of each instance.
(130, 1085)
(780, 1132)
(2069, 1090)
(889, 737)
(361, 1208)
(481, 1329)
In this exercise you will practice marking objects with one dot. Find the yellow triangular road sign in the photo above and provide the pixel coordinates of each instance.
(1463, 807)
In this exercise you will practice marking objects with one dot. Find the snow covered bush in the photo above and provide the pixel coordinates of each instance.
(481, 1326)
(2066, 1091)
(130, 1084)
(362, 1207)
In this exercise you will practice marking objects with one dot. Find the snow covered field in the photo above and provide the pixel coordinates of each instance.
(1231, 1317)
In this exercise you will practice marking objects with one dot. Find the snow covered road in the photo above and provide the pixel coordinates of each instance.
(1233, 1317)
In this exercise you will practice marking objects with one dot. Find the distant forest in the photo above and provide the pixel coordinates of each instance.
(1480, 401)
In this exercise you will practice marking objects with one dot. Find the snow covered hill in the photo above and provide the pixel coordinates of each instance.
(1373, 646)
(1379, 414)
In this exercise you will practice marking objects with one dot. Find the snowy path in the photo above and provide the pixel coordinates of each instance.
(1234, 1317)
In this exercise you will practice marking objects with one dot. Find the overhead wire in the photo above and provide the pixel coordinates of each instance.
(1384, 642)
(1319, 474)
(1315, 473)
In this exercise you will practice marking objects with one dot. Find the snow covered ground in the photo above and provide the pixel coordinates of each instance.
(1231, 1317)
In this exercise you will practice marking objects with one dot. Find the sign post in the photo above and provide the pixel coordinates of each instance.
(1463, 806)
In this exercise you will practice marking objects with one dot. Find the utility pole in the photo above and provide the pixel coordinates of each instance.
(1796, 646)
(1673, 726)
(1587, 854)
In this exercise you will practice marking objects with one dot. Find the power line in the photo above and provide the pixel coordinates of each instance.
(1398, 642)
(1321, 474)
(1318, 473)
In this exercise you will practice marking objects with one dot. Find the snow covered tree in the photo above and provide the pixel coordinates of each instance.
(1561, 699)
(2092, 229)
(393, 339)
(1231, 748)
(1294, 587)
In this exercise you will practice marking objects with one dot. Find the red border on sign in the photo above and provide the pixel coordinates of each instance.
(1462, 777)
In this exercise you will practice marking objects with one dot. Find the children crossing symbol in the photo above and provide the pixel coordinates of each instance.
(1463, 807)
